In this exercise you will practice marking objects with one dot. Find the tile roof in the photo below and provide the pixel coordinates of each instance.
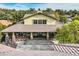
(32, 28)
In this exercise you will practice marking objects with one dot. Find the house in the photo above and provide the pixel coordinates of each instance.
(34, 26)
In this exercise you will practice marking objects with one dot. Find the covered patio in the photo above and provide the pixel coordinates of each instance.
(21, 32)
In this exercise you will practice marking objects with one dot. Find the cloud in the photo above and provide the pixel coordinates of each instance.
(64, 6)
(14, 6)
(18, 6)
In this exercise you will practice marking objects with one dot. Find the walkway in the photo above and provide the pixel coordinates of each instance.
(39, 48)
(8, 51)
(35, 45)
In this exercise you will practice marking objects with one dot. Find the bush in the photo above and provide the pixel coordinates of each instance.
(1, 28)
(69, 33)
(63, 19)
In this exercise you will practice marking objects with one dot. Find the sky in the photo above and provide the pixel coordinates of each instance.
(24, 6)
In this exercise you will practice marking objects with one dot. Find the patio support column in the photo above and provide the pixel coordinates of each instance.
(47, 35)
(13, 40)
(31, 36)
(6, 39)
(13, 37)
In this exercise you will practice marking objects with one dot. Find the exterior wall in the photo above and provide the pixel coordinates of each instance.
(29, 21)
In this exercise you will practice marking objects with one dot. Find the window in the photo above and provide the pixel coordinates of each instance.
(39, 22)
(34, 21)
(44, 21)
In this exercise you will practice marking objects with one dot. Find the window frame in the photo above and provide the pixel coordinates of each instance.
(44, 21)
(35, 22)
(39, 21)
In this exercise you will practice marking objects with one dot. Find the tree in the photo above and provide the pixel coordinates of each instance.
(2, 13)
(63, 19)
(1, 28)
(69, 33)
(75, 18)
(56, 15)
(39, 9)
(32, 10)
(7, 17)
(48, 11)
(60, 12)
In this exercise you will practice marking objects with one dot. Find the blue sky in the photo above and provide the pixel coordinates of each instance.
(64, 6)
